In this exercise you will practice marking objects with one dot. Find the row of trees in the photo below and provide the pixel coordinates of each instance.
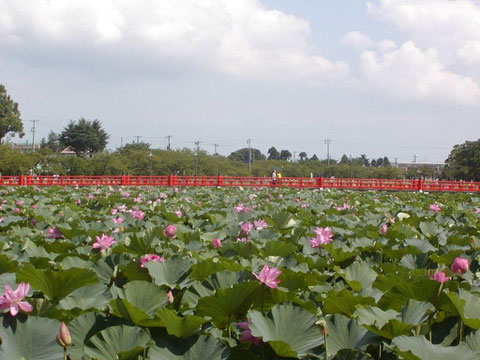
(86, 137)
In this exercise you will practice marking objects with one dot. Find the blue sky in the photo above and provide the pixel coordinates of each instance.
(393, 78)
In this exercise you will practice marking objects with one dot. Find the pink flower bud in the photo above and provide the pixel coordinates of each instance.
(170, 231)
(460, 266)
(217, 243)
(63, 337)
(383, 229)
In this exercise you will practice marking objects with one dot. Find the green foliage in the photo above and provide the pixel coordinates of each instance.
(10, 120)
(84, 136)
(464, 162)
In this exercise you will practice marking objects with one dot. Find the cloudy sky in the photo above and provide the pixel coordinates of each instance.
(382, 77)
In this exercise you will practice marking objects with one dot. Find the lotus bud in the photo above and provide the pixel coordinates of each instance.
(170, 231)
(63, 337)
(322, 325)
(460, 266)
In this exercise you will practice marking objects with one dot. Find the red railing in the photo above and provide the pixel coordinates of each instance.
(294, 182)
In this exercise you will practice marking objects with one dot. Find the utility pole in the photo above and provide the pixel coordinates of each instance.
(33, 131)
(294, 155)
(138, 138)
(249, 142)
(396, 162)
(327, 142)
(195, 154)
(168, 137)
(121, 143)
(216, 146)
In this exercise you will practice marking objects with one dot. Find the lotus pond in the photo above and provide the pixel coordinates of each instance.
(241, 274)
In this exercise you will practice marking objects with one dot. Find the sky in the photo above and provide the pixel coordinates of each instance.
(396, 78)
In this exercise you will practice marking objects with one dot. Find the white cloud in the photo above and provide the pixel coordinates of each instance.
(238, 37)
(470, 52)
(357, 39)
(448, 25)
(410, 74)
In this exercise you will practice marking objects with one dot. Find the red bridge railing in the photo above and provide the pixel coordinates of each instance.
(293, 182)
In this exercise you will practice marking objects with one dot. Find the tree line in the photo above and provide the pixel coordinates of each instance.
(88, 140)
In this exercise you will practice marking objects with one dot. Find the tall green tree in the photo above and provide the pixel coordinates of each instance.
(10, 120)
(52, 142)
(84, 136)
(242, 155)
(303, 156)
(464, 161)
(273, 154)
(285, 155)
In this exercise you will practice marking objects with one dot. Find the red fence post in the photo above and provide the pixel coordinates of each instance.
(170, 180)
(420, 185)
(21, 180)
(219, 180)
(320, 182)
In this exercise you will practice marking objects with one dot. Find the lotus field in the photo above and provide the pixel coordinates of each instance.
(241, 274)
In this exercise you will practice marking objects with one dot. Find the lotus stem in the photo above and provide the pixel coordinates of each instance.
(326, 347)
(64, 353)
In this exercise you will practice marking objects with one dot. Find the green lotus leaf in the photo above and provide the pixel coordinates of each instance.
(88, 297)
(344, 333)
(228, 305)
(30, 339)
(181, 327)
(419, 348)
(358, 275)
(118, 342)
(289, 329)
(173, 272)
(352, 355)
(344, 302)
(56, 284)
(194, 348)
(468, 306)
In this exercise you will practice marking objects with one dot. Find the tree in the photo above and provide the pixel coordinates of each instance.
(380, 162)
(243, 155)
(344, 159)
(365, 161)
(84, 136)
(386, 162)
(10, 121)
(273, 154)
(374, 163)
(303, 156)
(285, 155)
(136, 146)
(314, 158)
(52, 142)
(464, 161)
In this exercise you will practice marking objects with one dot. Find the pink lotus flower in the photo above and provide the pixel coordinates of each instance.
(246, 228)
(304, 205)
(383, 229)
(170, 231)
(239, 208)
(122, 208)
(178, 213)
(217, 243)
(138, 199)
(345, 206)
(460, 266)
(477, 211)
(260, 224)
(104, 242)
(170, 297)
(324, 236)
(90, 197)
(54, 233)
(20, 202)
(244, 240)
(16, 210)
(441, 277)
(113, 211)
(126, 194)
(435, 208)
(150, 257)
(12, 299)
(247, 333)
(163, 195)
(138, 214)
(78, 202)
(269, 276)
(33, 206)
(118, 220)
